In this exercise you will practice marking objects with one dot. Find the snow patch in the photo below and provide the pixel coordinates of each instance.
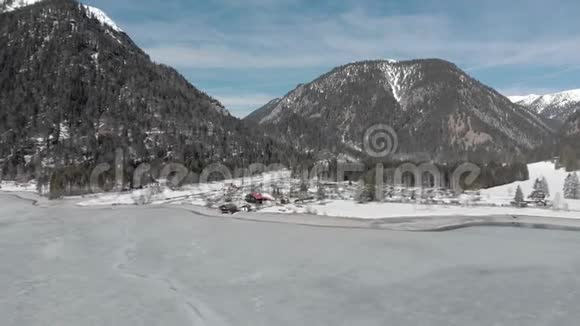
(64, 132)
(561, 98)
(16, 4)
(396, 76)
(542, 102)
(394, 81)
(524, 100)
(99, 15)
(13, 186)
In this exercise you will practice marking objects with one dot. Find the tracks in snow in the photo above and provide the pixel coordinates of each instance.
(198, 312)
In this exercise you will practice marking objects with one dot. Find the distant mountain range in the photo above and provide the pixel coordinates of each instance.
(558, 106)
(74, 88)
(437, 110)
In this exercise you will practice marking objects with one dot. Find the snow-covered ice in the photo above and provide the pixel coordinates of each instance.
(168, 266)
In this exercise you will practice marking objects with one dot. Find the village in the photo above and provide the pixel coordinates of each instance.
(550, 191)
(278, 192)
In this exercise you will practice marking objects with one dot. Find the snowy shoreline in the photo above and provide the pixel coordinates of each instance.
(490, 207)
(435, 223)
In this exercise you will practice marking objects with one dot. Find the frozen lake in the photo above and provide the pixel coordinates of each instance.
(168, 266)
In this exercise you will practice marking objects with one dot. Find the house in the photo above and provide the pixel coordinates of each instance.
(255, 198)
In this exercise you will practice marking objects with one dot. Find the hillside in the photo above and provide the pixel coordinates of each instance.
(74, 88)
(437, 111)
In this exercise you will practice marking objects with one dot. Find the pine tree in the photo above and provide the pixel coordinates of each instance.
(537, 192)
(519, 198)
(572, 187)
(541, 190)
(321, 192)
(537, 184)
(568, 189)
(541, 186)
(544, 186)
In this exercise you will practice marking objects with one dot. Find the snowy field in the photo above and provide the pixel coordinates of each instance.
(349, 208)
(11, 186)
(137, 265)
(494, 201)
(504, 194)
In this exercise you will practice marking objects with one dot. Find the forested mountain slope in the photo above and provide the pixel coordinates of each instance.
(438, 112)
(74, 88)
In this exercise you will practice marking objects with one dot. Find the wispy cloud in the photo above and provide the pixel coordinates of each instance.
(315, 39)
(226, 57)
(487, 38)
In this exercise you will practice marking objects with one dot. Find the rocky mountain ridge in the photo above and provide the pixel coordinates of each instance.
(438, 112)
(558, 106)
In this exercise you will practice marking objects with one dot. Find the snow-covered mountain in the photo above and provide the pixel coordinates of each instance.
(92, 12)
(558, 106)
(74, 87)
(99, 15)
(525, 99)
(437, 110)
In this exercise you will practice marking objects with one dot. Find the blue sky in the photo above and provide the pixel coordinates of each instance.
(245, 53)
